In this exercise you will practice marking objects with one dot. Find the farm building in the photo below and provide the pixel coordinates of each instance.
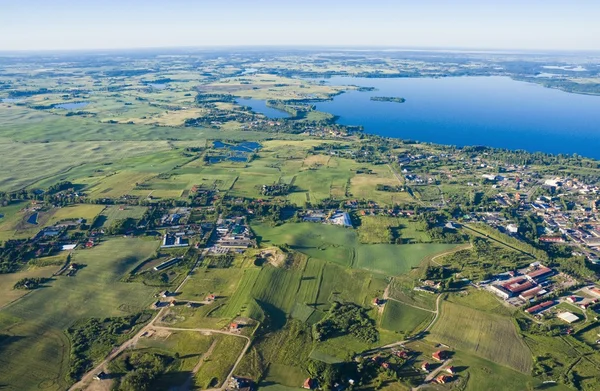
(167, 264)
(541, 273)
(540, 307)
(532, 293)
(568, 317)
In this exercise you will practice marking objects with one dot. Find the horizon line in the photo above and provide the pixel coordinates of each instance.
(379, 48)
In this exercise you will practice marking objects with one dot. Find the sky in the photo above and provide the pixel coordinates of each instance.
(467, 24)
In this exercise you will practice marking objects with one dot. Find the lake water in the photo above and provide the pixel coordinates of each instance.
(260, 106)
(158, 86)
(71, 106)
(491, 111)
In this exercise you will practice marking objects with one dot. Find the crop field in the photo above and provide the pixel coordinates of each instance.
(215, 370)
(277, 287)
(30, 358)
(239, 301)
(488, 335)
(404, 319)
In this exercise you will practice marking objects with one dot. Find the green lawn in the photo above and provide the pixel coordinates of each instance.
(36, 352)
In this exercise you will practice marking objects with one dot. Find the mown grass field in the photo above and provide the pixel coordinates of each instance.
(404, 319)
(36, 351)
(382, 229)
(488, 335)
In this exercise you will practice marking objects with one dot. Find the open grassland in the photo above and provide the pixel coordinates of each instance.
(215, 370)
(404, 319)
(36, 351)
(341, 246)
(488, 335)
(7, 281)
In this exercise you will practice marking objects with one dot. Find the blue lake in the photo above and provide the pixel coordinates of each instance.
(260, 106)
(71, 106)
(491, 111)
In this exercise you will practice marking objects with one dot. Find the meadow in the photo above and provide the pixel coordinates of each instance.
(36, 349)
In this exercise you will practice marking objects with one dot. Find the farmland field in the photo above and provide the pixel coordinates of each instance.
(7, 281)
(214, 371)
(403, 318)
(488, 335)
(42, 358)
(220, 282)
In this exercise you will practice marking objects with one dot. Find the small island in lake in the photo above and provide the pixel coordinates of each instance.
(388, 99)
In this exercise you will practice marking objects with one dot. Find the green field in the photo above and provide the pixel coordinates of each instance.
(7, 281)
(36, 353)
(219, 282)
(488, 335)
(82, 211)
(341, 246)
(113, 213)
(404, 319)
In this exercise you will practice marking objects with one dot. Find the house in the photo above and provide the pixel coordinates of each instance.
(385, 365)
(451, 370)
(568, 317)
(426, 367)
(210, 298)
(512, 228)
(443, 379)
(235, 326)
(377, 301)
(309, 384)
(440, 355)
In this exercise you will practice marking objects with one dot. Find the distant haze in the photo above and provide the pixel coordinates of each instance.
(500, 24)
